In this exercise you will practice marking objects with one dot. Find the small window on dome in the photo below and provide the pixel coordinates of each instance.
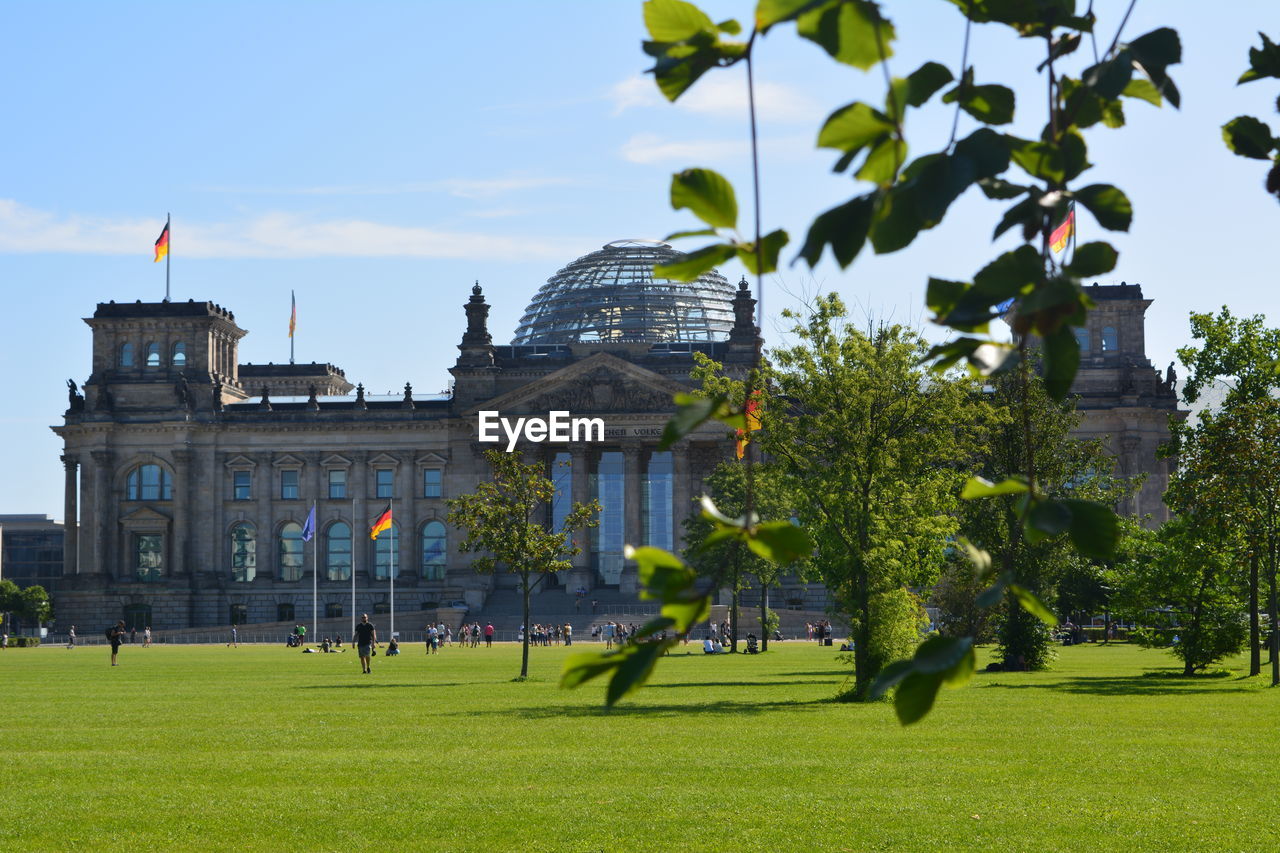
(153, 355)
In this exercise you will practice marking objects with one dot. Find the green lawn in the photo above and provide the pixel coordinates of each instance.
(264, 748)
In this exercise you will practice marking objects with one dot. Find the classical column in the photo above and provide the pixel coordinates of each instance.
(405, 492)
(263, 482)
(681, 492)
(183, 490)
(70, 528)
(579, 492)
(360, 550)
(103, 509)
(633, 531)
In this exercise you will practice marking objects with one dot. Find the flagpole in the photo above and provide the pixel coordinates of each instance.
(353, 566)
(293, 304)
(392, 505)
(168, 255)
(315, 569)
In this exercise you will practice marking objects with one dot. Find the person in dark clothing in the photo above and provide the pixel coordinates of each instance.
(115, 635)
(366, 640)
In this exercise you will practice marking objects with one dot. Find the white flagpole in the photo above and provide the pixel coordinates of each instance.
(392, 506)
(315, 569)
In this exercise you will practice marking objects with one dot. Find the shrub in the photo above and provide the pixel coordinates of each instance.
(24, 642)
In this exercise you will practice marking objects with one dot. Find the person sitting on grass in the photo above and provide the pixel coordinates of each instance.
(717, 648)
(393, 647)
(708, 646)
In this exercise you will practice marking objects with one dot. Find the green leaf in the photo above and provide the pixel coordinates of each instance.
(696, 263)
(1143, 90)
(991, 596)
(979, 558)
(897, 220)
(771, 12)
(634, 670)
(1248, 137)
(660, 573)
(691, 413)
(1108, 205)
(710, 511)
(771, 245)
(1092, 259)
(701, 232)
(1026, 213)
(1094, 528)
(939, 655)
(1154, 53)
(1263, 61)
(963, 669)
(942, 296)
(1109, 78)
(1008, 274)
(685, 614)
(1057, 164)
(1032, 604)
(890, 676)
(852, 32)
(780, 542)
(707, 194)
(674, 20)
(915, 695)
(581, 667)
(990, 103)
(884, 161)
(843, 228)
(1001, 189)
(853, 127)
(977, 487)
(1049, 517)
(729, 27)
(925, 81)
(1061, 358)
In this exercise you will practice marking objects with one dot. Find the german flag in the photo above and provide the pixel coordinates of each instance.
(162, 243)
(1058, 239)
(293, 314)
(753, 423)
(383, 523)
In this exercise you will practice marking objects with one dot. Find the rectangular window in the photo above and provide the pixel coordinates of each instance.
(337, 484)
(148, 556)
(241, 485)
(288, 485)
(431, 483)
(385, 479)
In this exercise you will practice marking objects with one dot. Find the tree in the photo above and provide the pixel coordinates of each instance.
(727, 487)
(505, 519)
(34, 605)
(1223, 465)
(1031, 431)
(874, 448)
(1181, 583)
(10, 598)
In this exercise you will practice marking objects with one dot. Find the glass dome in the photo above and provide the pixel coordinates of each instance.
(611, 296)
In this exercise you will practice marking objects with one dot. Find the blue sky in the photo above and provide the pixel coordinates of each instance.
(377, 158)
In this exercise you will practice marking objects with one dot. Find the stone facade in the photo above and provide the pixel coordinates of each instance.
(187, 484)
(1123, 398)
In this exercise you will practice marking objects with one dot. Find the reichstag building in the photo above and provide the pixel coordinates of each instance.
(189, 476)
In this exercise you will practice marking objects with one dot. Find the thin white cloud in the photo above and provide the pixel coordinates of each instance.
(648, 148)
(721, 96)
(458, 187)
(274, 235)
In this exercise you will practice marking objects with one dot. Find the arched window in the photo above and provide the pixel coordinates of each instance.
(1110, 342)
(244, 552)
(126, 355)
(337, 552)
(149, 483)
(1082, 339)
(291, 551)
(382, 552)
(179, 358)
(433, 551)
(153, 354)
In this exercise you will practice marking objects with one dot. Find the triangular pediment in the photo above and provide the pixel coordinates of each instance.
(144, 515)
(427, 460)
(286, 461)
(241, 461)
(598, 384)
(384, 460)
(336, 461)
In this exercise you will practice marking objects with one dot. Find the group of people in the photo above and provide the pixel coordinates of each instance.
(819, 630)
(470, 634)
(613, 632)
(546, 635)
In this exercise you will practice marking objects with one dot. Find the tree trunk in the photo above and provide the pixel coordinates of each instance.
(1106, 626)
(524, 650)
(1271, 612)
(1255, 638)
(733, 616)
(764, 612)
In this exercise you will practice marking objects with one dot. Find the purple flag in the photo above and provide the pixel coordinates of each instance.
(309, 528)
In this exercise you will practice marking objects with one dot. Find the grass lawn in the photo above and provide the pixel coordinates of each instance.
(264, 748)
